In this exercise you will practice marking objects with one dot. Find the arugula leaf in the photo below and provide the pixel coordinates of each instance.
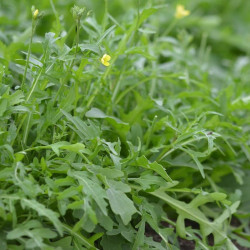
(121, 205)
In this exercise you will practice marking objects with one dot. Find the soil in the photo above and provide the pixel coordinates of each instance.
(186, 244)
(189, 244)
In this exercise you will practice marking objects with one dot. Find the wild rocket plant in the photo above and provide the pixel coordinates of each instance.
(124, 125)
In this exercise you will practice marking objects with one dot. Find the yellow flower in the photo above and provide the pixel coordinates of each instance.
(105, 60)
(35, 14)
(181, 12)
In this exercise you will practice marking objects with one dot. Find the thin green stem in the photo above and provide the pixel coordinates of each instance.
(59, 90)
(125, 92)
(78, 26)
(154, 81)
(27, 129)
(34, 85)
(29, 52)
(58, 25)
(117, 86)
(20, 125)
(49, 147)
(170, 27)
(105, 17)
(64, 80)
(77, 44)
(91, 99)
(30, 113)
(151, 130)
(166, 152)
(79, 237)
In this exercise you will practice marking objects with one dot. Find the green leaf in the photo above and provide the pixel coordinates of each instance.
(56, 146)
(77, 147)
(43, 211)
(34, 230)
(3, 106)
(106, 33)
(143, 162)
(194, 155)
(136, 114)
(91, 47)
(121, 205)
(139, 240)
(85, 131)
(68, 192)
(64, 243)
(120, 127)
(16, 97)
(146, 13)
(84, 241)
(91, 188)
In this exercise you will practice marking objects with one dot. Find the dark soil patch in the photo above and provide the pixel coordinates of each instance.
(186, 244)
(189, 244)
(239, 246)
(235, 222)
(150, 232)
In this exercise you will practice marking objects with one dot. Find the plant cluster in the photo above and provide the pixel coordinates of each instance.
(124, 125)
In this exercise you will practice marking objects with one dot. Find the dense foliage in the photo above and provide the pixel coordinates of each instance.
(139, 154)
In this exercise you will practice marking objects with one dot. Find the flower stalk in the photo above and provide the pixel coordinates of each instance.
(35, 15)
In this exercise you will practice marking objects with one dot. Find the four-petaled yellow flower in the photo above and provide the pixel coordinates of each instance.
(35, 14)
(181, 12)
(105, 60)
